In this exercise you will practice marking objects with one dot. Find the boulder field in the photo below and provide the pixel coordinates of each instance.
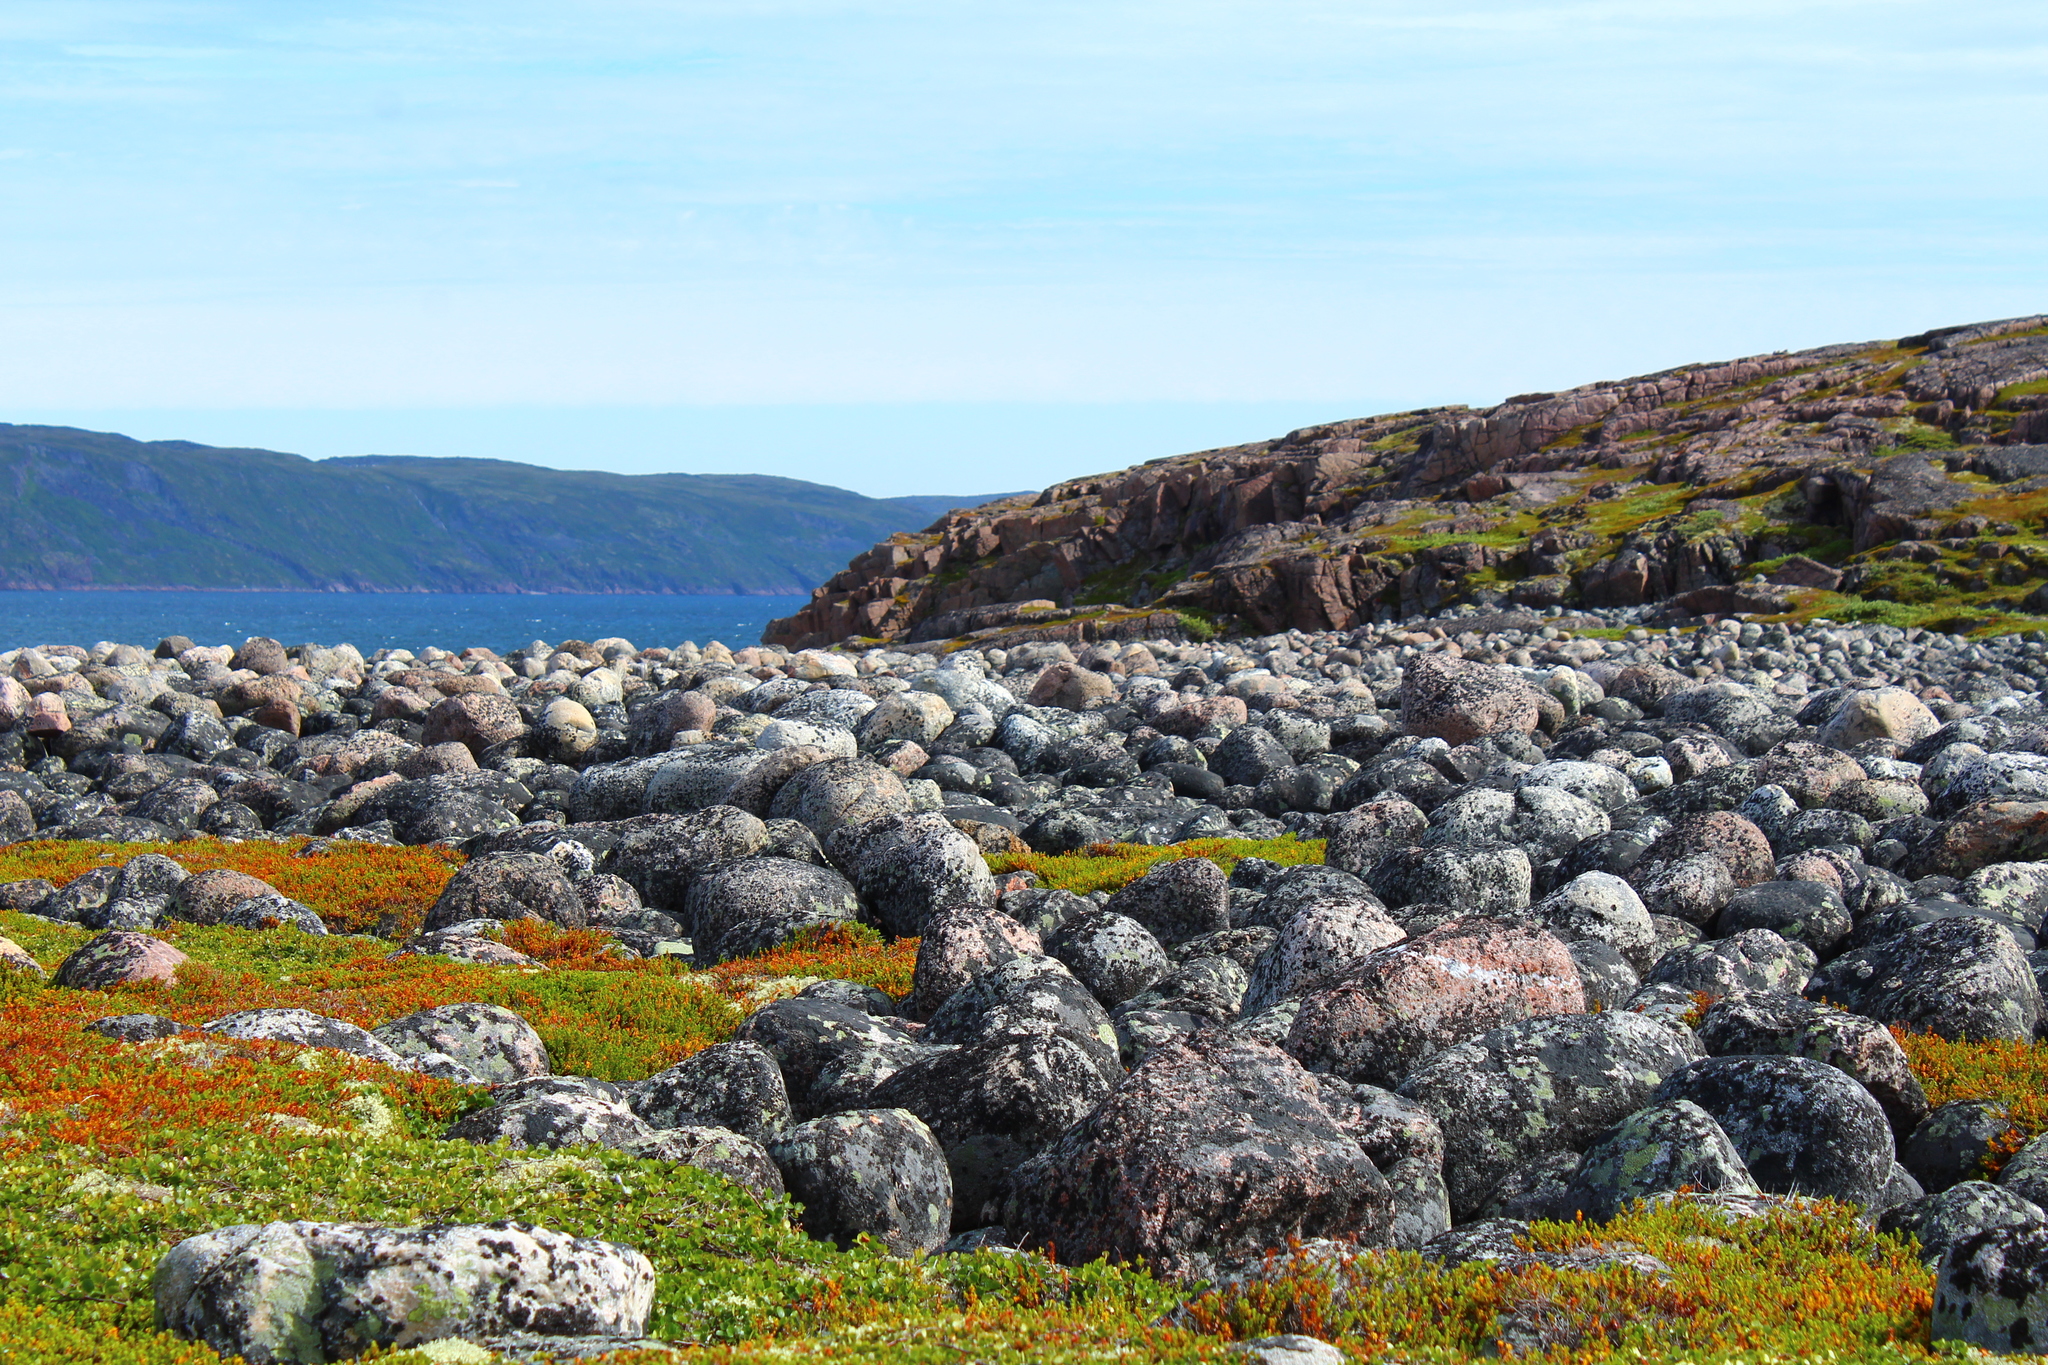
(1605, 914)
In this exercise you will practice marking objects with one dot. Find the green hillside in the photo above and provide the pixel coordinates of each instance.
(90, 509)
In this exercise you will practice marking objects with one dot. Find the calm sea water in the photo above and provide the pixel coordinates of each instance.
(372, 621)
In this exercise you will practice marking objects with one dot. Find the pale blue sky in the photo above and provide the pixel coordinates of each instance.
(913, 246)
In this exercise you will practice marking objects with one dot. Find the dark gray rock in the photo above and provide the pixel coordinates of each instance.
(1950, 1145)
(661, 855)
(1961, 978)
(1782, 1024)
(1657, 1149)
(509, 886)
(1939, 1221)
(1177, 900)
(824, 1049)
(1808, 912)
(750, 906)
(1991, 1290)
(1027, 995)
(735, 1086)
(871, 1172)
(1216, 1149)
(1801, 1126)
(908, 867)
(1113, 955)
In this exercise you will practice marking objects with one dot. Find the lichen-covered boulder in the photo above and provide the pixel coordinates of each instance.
(204, 897)
(492, 1041)
(1952, 1143)
(1800, 911)
(1800, 1125)
(840, 792)
(1479, 881)
(1961, 978)
(1781, 1024)
(873, 1172)
(909, 867)
(1659, 1148)
(750, 906)
(1215, 1149)
(2025, 1173)
(959, 944)
(994, 1103)
(1538, 1087)
(1359, 837)
(826, 1050)
(509, 886)
(1113, 955)
(735, 1086)
(1398, 1006)
(1319, 937)
(306, 1029)
(722, 1152)
(559, 1119)
(1177, 900)
(1753, 960)
(1422, 1204)
(300, 1292)
(1938, 1221)
(118, 958)
(662, 855)
(1025, 995)
(1600, 905)
(1991, 1290)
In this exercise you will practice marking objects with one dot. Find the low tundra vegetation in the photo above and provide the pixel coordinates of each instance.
(111, 1153)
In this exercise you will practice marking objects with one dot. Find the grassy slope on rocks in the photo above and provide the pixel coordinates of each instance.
(110, 1154)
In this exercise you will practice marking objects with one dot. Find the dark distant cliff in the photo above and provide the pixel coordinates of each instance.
(1900, 475)
(90, 510)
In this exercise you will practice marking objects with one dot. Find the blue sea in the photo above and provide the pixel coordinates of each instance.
(373, 621)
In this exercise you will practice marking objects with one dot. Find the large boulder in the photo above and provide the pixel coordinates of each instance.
(306, 1029)
(509, 886)
(1459, 702)
(1177, 900)
(495, 1044)
(869, 1172)
(1961, 978)
(1783, 1024)
(1991, 1291)
(1318, 938)
(1478, 881)
(1539, 1088)
(118, 958)
(1036, 995)
(1659, 1149)
(908, 867)
(1801, 1126)
(959, 945)
(994, 1103)
(661, 855)
(1398, 1006)
(736, 1086)
(841, 792)
(750, 906)
(829, 1052)
(1113, 955)
(475, 720)
(1216, 1150)
(296, 1292)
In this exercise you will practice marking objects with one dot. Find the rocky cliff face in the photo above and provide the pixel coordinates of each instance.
(1712, 488)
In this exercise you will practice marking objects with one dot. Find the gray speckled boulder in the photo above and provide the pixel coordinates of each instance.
(1544, 822)
(1390, 1128)
(1422, 1204)
(1808, 912)
(867, 999)
(1991, 1290)
(306, 1029)
(1318, 938)
(877, 1172)
(959, 944)
(1537, 1087)
(493, 1042)
(1782, 1024)
(1600, 905)
(1139, 1033)
(1113, 955)
(1177, 900)
(1961, 978)
(297, 1292)
(819, 1045)
(752, 905)
(1394, 1008)
(2025, 1173)
(1658, 1148)
(509, 886)
(840, 792)
(552, 1120)
(1043, 909)
(994, 1103)
(661, 855)
(1359, 837)
(1950, 1144)
(1480, 881)
(1212, 988)
(1801, 1126)
(1607, 977)
(722, 1152)
(1753, 960)
(1028, 995)
(692, 778)
(1216, 1148)
(909, 867)
(1939, 1221)
(736, 1086)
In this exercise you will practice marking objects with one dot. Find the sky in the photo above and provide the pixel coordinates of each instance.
(919, 247)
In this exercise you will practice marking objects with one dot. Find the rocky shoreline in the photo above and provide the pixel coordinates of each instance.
(1609, 911)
